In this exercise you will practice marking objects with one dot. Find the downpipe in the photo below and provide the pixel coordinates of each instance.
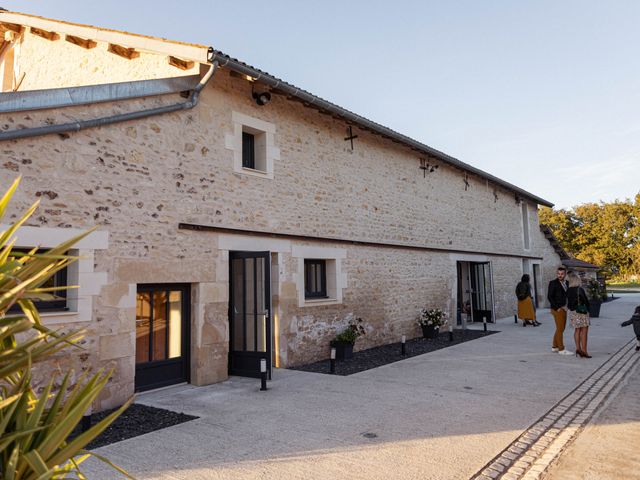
(123, 117)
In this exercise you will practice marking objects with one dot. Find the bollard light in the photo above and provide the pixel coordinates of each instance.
(263, 374)
(85, 424)
(332, 361)
(451, 333)
(403, 349)
(484, 323)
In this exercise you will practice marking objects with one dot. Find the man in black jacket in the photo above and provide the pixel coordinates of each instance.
(557, 296)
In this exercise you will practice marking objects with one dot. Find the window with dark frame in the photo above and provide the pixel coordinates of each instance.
(315, 278)
(248, 150)
(59, 279)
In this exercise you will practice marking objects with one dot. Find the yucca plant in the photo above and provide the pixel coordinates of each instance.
(35, 429)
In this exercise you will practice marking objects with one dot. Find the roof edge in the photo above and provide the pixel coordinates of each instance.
(190, 51)
(317, 102)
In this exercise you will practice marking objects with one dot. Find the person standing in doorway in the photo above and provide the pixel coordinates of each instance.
(526, 310)
(557, 296)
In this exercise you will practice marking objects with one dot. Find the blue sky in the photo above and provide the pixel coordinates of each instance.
(544, 94)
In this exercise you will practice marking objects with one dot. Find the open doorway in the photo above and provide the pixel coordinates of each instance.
(475, 293)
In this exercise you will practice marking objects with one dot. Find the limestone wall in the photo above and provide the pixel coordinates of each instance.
(138, 180)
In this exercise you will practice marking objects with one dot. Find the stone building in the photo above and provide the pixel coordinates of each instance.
(238, 220)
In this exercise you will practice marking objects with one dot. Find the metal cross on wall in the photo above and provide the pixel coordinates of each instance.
(426, 167)
(351, 136)
(466, 181)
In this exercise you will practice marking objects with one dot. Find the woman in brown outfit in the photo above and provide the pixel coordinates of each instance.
(526, 311)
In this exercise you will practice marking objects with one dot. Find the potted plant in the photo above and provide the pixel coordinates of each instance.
(430, 320)
(344, 341)
(594, 291)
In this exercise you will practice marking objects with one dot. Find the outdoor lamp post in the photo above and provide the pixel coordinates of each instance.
(332, 361)
(263, 374)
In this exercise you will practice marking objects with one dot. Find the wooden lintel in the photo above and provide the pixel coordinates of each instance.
(45, 34)
(129, 53)
(10, 27)
(81, 42)
(180, 63)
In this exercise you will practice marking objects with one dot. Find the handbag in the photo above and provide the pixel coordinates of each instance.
(581, 307)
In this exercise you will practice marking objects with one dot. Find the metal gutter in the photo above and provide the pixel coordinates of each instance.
(311, 100)
(98, 122)
(112, 92)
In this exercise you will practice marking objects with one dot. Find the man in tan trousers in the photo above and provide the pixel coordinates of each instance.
(557, 296)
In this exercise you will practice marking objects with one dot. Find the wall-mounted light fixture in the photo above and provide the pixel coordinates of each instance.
(261, 98)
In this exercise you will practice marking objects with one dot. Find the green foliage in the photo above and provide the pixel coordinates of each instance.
(34, 429)
(595, 291)
(605, 234)
(352, 332)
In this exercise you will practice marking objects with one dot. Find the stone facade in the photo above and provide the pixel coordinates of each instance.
(138, 180)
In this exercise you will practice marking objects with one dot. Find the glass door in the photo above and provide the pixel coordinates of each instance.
(162, 323)
(481, 292)
(249, 312)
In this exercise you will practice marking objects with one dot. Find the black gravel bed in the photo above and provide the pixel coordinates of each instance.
(136, 420)
(378, 356)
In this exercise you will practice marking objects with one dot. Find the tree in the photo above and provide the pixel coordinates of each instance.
(605, 234)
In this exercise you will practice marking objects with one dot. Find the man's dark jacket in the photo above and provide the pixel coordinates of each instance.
(556, 294)
(635, 321)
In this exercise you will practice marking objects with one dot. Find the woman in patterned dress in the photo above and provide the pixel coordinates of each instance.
(578, 304)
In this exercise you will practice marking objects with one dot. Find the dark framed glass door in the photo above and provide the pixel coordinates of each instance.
(481, 291)
(249, 312)
(162, 335)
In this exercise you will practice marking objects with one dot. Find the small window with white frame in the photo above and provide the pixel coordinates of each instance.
(315, 278)
(254, 150)
(320, 279)
(252, 143)
(56, 301)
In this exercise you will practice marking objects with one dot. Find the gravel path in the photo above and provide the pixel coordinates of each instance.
(385, 354)
(136, 420)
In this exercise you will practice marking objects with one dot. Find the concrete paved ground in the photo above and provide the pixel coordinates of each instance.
(608, 448)
(437, 416)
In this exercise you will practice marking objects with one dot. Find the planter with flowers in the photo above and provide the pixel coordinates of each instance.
(344, 341)
(595, 291)
(430, 320)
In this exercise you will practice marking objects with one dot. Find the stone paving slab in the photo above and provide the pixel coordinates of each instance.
(442, 415)
(607, 448)
(552, 433)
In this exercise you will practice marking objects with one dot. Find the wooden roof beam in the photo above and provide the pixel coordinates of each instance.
(180, 63)
(10, 27)
(81, 42)
(51, 36)
(128, 53)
